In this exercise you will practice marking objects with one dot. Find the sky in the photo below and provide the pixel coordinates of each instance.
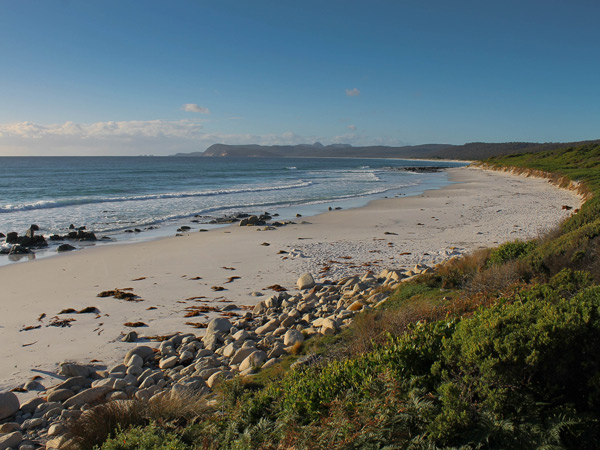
(127, 77)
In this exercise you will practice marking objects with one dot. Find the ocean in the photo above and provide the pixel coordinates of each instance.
(112, 196)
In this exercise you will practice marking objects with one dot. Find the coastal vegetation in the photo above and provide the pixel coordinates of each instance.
(468, 151)
(498, 349)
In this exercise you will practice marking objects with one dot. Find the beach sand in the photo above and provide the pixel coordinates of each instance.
(482, 209)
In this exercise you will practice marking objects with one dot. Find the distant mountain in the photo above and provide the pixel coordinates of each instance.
(470, 151)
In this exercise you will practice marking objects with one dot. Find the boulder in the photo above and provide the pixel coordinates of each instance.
(211, 341)
(272, 302)
(56, 429)
(242, 354)
(11, 440)
(167, 363)
(135, 360)
(356, 306)
(65, 248)
(190, 386)
(9, 427)
(32, 423)
(73, 370)
(230, 349)
(130, 337)
(217, 378)
(277, 351)
(306, 281)
(270, 362)
(56, 443)
(59, 395)
(218, 325)
(9, 404)
(271, 325)
(88, 396)
(73, 382)
(241, 335)
(259, 309)
(30, 406)
(142, 350)
(255, 359)
(292, 337)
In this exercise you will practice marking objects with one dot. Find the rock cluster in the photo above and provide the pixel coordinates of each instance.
(186, 363)
(19, 245)
(75, 234)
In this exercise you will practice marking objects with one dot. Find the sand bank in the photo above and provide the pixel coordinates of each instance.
(482, 209)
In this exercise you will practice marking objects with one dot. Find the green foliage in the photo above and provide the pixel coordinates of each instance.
(511, 251)
(145, 438)
(521, 373)
(410, 290)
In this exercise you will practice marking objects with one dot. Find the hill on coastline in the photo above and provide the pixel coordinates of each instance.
(469, 151)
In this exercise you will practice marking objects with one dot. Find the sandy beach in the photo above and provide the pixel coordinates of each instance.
(481, 209)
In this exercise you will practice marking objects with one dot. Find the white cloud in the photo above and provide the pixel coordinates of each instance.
(352, 92)
(103, 130)
(144, 137)
(352, 127)
(193, 107)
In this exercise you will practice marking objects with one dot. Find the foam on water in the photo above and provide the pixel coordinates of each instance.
(110, 195)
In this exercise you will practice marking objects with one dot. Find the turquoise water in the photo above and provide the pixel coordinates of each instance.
(110, 195)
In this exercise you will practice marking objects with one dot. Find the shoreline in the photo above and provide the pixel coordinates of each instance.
(173, 273)
(152, 229)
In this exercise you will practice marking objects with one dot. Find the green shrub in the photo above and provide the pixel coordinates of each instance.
(511, 251)
(525, 361)
(144, 438)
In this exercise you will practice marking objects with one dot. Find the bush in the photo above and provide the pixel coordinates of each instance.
(99, 423)
(524, 361)
(511, 251)
(144, 438)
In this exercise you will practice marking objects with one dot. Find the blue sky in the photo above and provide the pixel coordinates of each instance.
(114, 77)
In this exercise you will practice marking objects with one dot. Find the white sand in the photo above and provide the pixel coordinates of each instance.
(483, 209)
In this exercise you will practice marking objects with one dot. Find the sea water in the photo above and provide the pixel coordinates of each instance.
(113, 195)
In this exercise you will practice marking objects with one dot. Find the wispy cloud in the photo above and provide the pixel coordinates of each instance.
(352, 92)
(103, 130)
(193, 107)
(352, 127)
(155, 137)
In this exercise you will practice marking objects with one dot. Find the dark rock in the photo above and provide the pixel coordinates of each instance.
(86, 236)
(65, 248)
(253, 221)
(2, 235)
(11, 238)
(30, 233)
(71, 227)
(18, 250)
